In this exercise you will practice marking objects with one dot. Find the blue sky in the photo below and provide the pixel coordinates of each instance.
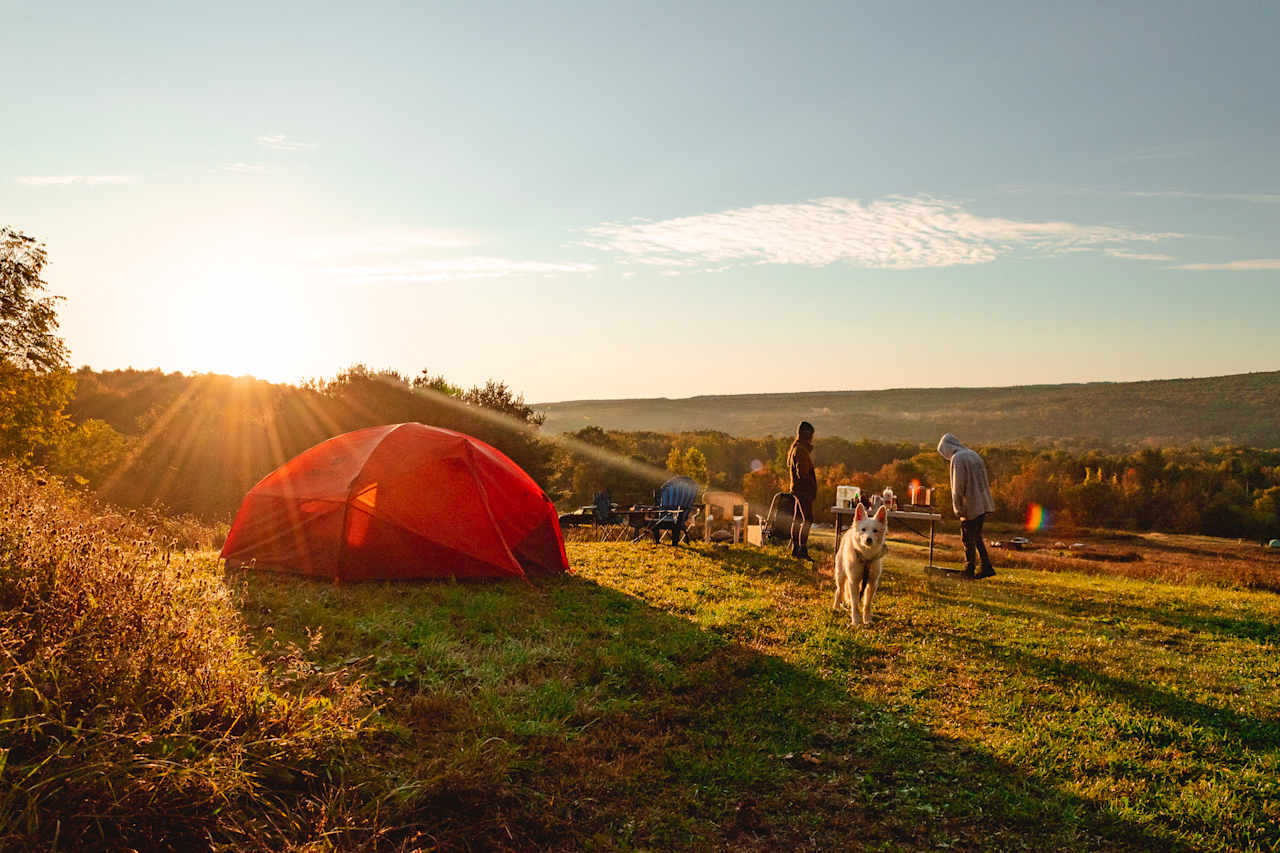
(603, 200)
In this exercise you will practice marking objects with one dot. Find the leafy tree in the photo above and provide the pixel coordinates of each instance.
(90, 452)
(34, 380)
(426, 381)
(578, 476)
(1266, 513)
(31, 416)
(1091, 502)
(497, 397)
(759, 487)
(675, 460)
(695, 465)
(28, 318)
(615, 465)
(517, 433)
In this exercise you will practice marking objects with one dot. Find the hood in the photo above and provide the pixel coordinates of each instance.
(948, 446)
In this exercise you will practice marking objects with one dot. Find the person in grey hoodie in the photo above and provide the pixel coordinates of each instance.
(971, 499)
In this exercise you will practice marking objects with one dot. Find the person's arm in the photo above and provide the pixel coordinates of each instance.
(959, 480)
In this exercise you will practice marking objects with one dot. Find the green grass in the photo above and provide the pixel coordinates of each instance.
(701, 697)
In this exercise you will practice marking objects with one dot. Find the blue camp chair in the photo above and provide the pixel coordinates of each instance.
(676, 502)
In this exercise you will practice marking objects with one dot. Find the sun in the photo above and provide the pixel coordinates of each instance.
(238, 317)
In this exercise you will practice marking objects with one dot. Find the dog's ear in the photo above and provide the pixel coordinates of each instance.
(860, 514)
(882, 514)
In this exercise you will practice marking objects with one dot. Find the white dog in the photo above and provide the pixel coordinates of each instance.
(859, 554)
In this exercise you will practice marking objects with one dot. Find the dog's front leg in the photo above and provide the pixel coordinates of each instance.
(855, 587)
(869, 591)
(841, 598)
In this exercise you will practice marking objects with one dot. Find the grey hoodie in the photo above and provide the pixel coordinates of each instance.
(970, 494)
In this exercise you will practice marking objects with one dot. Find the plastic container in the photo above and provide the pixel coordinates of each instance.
(848, 496)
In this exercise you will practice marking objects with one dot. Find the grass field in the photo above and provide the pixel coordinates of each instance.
(657, 698)
(707, 698)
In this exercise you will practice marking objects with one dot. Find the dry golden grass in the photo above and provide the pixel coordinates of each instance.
(134, 711)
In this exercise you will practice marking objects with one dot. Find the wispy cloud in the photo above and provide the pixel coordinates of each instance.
(1255, 264)
(387, 242)
(1128, 192)
(1139, 256)
(67, 180)
(243, 168)
(1252, 198)
(450, 269)
(417, 256)
(892, 233)
(280, 142)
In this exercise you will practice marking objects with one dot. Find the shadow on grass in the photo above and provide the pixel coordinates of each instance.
(773, 562)
(1252, 732)
(1197, 621)
(573, 715)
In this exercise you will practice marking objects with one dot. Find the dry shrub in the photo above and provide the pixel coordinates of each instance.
(134, 710)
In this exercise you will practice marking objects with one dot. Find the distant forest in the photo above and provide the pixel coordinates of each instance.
(1222, 491)
(197, 443)
(1238, 409)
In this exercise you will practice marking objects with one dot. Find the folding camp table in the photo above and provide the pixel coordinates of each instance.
(844, 518)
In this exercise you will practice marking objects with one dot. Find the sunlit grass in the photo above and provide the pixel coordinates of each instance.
(705, 697)
(136, 712)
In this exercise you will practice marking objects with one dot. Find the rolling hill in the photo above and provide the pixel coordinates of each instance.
(1238, 409)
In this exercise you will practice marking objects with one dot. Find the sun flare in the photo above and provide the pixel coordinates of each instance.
(239, 317)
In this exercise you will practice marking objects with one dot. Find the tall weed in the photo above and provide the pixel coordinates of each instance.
(134, 711)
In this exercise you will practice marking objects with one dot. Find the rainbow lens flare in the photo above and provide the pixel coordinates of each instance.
(1037, 517)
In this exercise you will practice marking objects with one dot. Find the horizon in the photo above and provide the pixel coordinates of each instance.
(563, 198)
(693, 396)
(921, 388)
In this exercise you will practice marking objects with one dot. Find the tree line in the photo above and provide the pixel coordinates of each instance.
(1219, 491)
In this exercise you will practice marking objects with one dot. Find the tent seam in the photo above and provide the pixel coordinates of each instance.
(346, 504)
(488, 510)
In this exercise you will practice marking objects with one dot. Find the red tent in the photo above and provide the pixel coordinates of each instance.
(399, 501)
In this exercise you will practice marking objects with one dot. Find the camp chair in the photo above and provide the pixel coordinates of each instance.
(724, 514)
(600, 521)
(675, 509)
(609, 525)
(784, 513)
